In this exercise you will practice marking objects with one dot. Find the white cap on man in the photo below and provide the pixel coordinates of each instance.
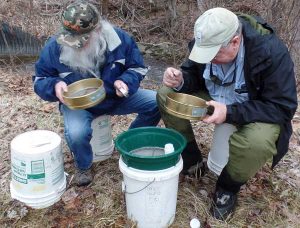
(212, 29)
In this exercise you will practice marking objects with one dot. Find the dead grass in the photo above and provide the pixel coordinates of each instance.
(270, 199)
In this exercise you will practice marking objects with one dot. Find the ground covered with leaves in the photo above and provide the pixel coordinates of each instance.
(270, 199)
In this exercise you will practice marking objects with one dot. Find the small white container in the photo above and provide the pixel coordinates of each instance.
(169, 148)
(195, 223)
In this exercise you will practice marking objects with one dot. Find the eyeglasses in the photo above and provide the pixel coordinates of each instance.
(218, 82)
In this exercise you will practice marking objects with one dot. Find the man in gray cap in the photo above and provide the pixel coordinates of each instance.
(88, 46)
(245, 72)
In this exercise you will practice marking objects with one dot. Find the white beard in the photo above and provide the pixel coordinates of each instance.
(88, 58)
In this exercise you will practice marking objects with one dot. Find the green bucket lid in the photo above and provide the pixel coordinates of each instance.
(149, 137)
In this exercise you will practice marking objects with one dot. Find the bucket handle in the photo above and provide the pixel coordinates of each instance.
(125, 192)
(103, 155)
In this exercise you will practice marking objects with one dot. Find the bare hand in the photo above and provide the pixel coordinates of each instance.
(60, 87)
(121, 88)
(219, 115)
(172, 77)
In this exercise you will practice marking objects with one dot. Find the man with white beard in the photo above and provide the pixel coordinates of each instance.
(88, 46)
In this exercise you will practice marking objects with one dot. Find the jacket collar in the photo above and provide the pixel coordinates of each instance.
(110, 35)
(257, 48)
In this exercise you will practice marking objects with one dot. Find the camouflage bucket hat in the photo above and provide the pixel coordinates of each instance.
(78, 20)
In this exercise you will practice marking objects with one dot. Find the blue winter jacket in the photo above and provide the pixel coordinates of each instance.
(123, 62)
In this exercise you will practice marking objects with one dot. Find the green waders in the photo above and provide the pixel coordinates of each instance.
(250, 147)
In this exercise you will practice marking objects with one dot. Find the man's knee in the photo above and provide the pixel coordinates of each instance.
(78, 133)
(250, 148)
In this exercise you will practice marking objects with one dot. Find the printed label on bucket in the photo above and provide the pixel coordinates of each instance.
(19, 171)
(36, 174)
(104, 123)
(102, 135)
(153, 204)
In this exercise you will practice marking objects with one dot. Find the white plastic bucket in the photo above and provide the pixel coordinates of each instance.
(38, 177)
(102, 142)
(219, 151)
(151, 196)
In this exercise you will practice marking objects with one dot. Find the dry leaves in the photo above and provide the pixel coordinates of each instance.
(49, 107)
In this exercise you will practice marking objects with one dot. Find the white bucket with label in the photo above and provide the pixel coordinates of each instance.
(37, 166)
(151, 196)
(219, 151)
(102, 142)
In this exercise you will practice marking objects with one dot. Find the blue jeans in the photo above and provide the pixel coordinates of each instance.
(78, 131)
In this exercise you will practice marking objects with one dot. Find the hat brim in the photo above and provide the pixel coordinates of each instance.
(203, 54)
(71, 40)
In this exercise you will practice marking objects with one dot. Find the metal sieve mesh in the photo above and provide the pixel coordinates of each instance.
(83, 92)
(149, 151)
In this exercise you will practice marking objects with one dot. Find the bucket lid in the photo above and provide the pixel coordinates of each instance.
(34, 142)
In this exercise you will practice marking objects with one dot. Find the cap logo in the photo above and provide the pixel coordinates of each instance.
(70, 26)
(198, 37)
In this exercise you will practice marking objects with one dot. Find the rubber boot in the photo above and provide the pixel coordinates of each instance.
(192, 160)
(225, 196)
(83, 177)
